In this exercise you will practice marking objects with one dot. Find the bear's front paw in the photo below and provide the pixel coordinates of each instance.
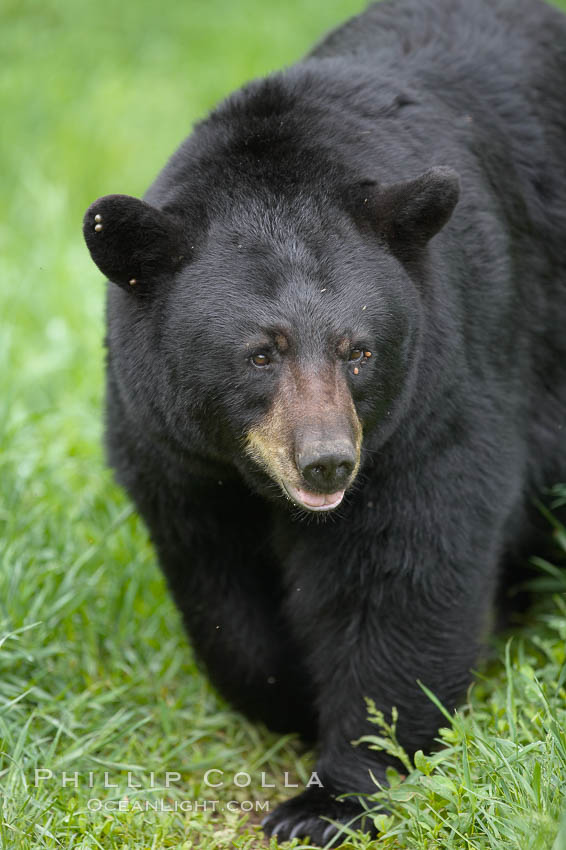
(308, 815)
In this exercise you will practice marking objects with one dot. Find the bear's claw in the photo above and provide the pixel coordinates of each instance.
(308, 815)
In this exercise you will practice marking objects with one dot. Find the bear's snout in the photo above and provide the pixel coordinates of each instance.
(310, 441)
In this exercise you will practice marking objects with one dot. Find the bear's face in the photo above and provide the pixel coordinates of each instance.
(288, 337)
(296, 349)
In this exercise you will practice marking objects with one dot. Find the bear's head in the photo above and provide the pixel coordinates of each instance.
(276, 335)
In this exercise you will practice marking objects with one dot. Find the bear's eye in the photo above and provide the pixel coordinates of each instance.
(261, 360)
(355, 354)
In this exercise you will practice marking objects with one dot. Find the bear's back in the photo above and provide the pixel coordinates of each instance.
(445, 29)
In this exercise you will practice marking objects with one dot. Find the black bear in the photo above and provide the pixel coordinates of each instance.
(337, 368)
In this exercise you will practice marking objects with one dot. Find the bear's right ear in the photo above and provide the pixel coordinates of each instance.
(413, 211)
(409, 213)
(131, 242)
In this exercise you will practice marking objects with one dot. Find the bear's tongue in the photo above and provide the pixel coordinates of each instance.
(318, 501)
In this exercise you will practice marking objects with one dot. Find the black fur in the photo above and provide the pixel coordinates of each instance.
(133, 243)
(307, 202)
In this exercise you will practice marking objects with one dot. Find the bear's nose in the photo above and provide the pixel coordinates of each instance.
(326, 468)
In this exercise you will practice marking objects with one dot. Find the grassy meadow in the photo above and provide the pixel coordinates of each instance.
(97, 679)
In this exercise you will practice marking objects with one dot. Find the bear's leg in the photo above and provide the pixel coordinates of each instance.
(215, 553)
(410, 604)
(402, 634)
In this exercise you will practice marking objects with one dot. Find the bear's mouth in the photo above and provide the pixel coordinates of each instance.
(314, 501)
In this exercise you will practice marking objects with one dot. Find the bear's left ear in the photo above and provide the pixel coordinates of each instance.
(413, 211)
(131, 242)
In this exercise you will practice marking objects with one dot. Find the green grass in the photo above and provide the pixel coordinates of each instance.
(96, 671)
